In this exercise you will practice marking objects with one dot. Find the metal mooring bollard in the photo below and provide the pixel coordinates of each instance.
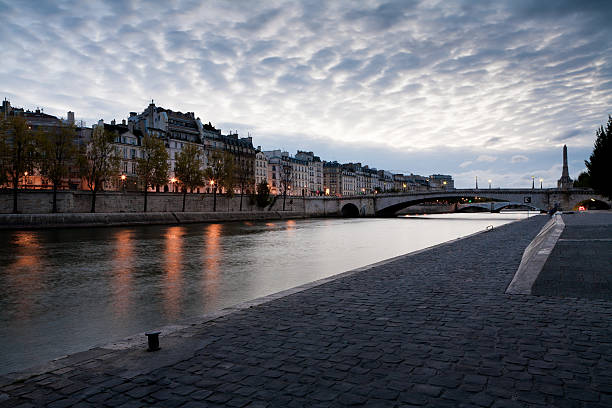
(153, 338)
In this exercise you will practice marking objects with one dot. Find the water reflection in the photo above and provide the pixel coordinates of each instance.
(25, 274)
(122, 271)
(173, 279)
(212, 260)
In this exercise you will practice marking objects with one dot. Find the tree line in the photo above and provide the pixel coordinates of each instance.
(599, 165)
(55, 154)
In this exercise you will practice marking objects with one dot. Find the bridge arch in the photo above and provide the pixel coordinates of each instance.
(592, 204)
(349, 210)
(515, 206)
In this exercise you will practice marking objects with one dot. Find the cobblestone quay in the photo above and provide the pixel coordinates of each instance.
(432, 329)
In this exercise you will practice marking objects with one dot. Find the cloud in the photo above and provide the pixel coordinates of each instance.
(401, 76)
(486, 158)
(519, 158)
(567, 134)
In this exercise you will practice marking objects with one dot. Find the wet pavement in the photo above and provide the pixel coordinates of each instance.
(433, 328)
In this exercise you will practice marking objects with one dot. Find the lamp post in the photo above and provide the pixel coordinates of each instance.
(541, 181)
(172, 181)
(123, 177)
(489, 184)
(532, 182)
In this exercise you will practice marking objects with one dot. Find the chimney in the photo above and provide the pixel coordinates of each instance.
(113, 122)
(123, 122)
(70, 118)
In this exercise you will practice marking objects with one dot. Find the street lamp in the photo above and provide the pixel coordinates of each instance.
(123, 177)
(541, 181)
(172, 181)
(532, 182)
(489, 184)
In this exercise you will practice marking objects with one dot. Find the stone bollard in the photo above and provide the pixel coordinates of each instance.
(153, 339)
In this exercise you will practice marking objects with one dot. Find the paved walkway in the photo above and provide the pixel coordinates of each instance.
(580, 265)
(433, 329)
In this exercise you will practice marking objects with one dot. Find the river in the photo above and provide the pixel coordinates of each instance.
(66, 290)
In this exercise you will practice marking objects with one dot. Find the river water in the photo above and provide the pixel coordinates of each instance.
(65, 290)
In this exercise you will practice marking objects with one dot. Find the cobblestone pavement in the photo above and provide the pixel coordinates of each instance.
(580, 265)
(433, 329)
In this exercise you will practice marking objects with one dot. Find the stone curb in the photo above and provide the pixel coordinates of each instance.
(86, 220)
(535, 256)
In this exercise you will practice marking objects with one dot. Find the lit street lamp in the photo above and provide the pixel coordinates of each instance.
(532, 182)
(541, 181)
(123, 177)
(489, 184)
(172, 181)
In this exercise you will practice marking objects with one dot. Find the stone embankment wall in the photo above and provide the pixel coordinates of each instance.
(40, 202)
(115, 208)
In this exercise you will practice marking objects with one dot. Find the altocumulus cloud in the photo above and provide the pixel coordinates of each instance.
(392, 82)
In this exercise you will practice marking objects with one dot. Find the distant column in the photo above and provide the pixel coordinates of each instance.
(565, 181)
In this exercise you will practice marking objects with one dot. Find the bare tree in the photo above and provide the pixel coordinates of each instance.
(246, 176)
(57, 151)
(286, 178)
(99, 162)
(220, 172)
(188, 169)
(152, 167)
(17, 147)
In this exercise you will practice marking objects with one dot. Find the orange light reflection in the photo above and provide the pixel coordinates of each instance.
(122, 276)
(212, 259)
(173, 281)
(26, 273)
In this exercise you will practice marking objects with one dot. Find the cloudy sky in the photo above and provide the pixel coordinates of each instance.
(470, 88)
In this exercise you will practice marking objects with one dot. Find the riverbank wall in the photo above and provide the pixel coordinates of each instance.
(41, 202)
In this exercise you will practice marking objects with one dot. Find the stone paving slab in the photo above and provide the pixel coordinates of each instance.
(433, 329)
(580, 264)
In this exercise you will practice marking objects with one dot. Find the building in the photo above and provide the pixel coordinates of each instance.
(179, 129)
(441, 182)
(128, 145)
(261, 167)
(315, 172)
(41, 122)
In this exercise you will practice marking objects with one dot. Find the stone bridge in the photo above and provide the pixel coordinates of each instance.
(387, 205)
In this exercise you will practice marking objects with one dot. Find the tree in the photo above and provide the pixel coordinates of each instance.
(220, 172)
(188, 169)
(17, 146)
(599, 165)
(583, 180)
(99, 162)
(245, 176)
(152, 168)
(286, 177)
(263, 194)
(57, 151)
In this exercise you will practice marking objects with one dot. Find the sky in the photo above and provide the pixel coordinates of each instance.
(487, 89)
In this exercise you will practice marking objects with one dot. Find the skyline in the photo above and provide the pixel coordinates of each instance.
(410, 87)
